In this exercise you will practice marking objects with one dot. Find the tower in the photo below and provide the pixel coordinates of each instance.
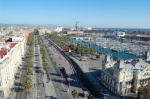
(77, 25)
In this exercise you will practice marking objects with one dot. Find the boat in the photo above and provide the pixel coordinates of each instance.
(115, 50)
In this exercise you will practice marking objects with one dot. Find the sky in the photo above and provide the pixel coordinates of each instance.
(90, 13)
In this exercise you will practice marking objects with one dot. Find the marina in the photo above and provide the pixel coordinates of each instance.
(125, 50)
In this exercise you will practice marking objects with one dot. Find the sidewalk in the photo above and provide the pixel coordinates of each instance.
(13, 93)
(49, 89)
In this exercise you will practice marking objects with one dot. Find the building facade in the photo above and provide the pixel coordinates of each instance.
(11, 55)
(119, 34)
(124, 77)
(75, 32)
(77, 25)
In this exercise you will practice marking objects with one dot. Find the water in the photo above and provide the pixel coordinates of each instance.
(123, 29)
(105, 51)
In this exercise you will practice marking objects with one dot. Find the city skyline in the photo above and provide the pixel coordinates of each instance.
(100, 14)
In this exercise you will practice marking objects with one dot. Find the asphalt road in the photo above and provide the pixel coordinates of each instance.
(92, 70)
(62, 62)
(56, 79)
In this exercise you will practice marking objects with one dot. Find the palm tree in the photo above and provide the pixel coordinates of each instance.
(100, 53)
(115, 58)
(97, 56)
(94, 47)
(74, 93)
(89, 45)
(106, 51)
(100, 49)
(92, 51)
(87, 51)
(82, 52)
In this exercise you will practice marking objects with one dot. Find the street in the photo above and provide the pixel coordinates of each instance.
(62, 62)
(56, 80)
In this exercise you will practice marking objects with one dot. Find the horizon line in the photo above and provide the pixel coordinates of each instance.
(74, 27)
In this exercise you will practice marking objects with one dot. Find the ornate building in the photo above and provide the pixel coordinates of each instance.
(10, 58)
(123, 77)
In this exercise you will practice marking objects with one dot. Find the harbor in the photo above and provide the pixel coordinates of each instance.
(124, 50)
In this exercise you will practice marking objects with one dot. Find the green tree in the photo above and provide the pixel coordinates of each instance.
(74, 93)
(106, 50)
(28, 83)
(92, 51)
(87, 51)
(115, 58)
(100, 53)
(94, 47)
(143, 91)
(97, 56)
(45, 66)
(29, 71)
(100, 49)
(82, 52)
(73, 53)
(30, 64)
(89, 45)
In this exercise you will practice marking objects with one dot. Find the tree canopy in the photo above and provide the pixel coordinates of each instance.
(74, 93)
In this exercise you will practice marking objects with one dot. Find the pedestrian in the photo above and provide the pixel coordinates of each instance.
(43, 84)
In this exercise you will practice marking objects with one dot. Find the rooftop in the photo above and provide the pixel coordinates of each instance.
(3, 52)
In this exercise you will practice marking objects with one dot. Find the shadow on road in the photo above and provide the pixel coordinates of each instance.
(50, 97)
(81, 95)
(18, 84)
(37, 67)
(55, 74)
(38, 71)
(16, 77)
(16, 89)
(23, 68)
(56, 80)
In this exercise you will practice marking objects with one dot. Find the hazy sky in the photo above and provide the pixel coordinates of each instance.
(90, 13)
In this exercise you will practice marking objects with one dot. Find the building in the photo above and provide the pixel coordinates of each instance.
(11, 54)
(125, 77)
(119, 34)
(77, 25)
(58, 29)
(75, 32)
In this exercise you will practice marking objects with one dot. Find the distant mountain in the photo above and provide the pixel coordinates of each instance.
(24, 25)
